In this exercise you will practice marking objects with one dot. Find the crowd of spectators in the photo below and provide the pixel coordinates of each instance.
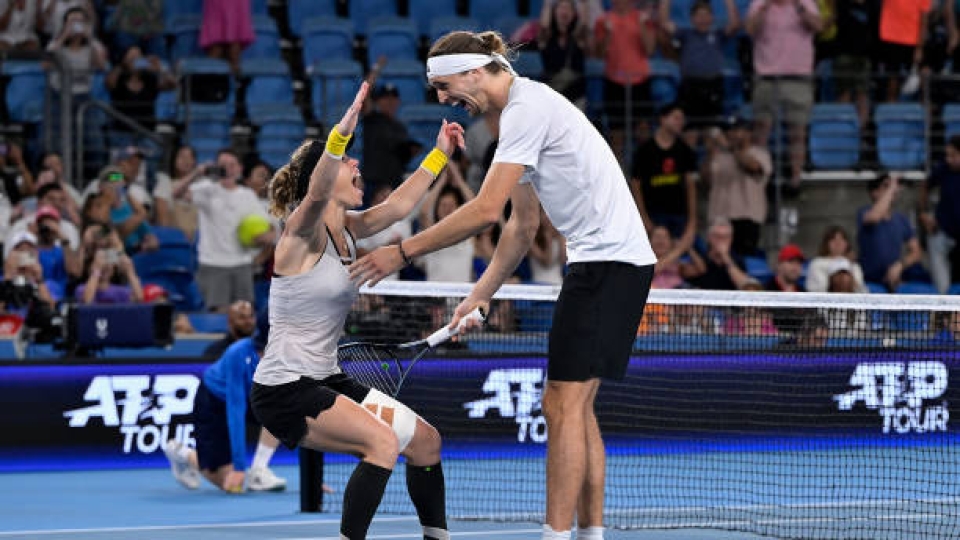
(82, 244)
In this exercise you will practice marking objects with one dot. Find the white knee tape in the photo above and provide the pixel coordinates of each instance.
(399, 416)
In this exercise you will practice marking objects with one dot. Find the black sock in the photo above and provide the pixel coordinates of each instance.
(426, 488)
(361, 499)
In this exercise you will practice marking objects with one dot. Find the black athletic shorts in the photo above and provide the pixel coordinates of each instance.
(283, 409)
(595, 320)
(210, 430)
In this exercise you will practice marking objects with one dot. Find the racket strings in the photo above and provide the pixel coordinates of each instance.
(371, 365)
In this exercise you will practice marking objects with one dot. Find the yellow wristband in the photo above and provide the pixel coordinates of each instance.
(337, 143)
(435, 161)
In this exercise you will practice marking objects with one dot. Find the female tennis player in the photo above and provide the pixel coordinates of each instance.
(549, 150)
(299, 393)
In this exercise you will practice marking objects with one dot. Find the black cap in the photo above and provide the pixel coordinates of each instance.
(385, 90)
(737, 121)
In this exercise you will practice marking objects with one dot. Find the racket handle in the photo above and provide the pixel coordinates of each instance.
(446, 333)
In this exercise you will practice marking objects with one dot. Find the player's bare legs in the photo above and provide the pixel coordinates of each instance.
(563, 407)
(590, 504)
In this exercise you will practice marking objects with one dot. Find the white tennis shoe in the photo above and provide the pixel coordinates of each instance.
(263, 479)
(186, 475)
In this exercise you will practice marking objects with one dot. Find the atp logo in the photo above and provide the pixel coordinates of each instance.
(515, 394)
(902, 393)
(141, 407)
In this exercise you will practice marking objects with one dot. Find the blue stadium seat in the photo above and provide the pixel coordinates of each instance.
(901, 135)
(733, 98)
(876, 288)
(182, 288)
(487, 11)
(409, 76)
(509, 24)
(680, 12)
(954, 289)
(171, 237)
(443, 25)
(424, 11)
(593, 73)
(281, 130)
(951, 120)
(529, 64)
(25, 90)
(834, 136)
(300, 11)
(177, 8)
(267, 42)
(209, 323)
(259, 7)
(393, 38)
(327, 38)
(270, 82)
(664, 81)
(333, 83)
(534, 7)
(757, 268)
(186, 37)
(203, 66)
(208, 129)
(363, 11)
(166, 107)
(912, 287)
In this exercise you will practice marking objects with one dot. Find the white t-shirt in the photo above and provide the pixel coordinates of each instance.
(22, 26)
(220, 211)
(451, 264)
(396, 232)
(575, 174)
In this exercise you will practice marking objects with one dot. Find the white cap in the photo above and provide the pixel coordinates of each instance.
(21, 237)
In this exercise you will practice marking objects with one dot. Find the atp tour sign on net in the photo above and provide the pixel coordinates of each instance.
(904, 394)
(141, 407)
(514, 393)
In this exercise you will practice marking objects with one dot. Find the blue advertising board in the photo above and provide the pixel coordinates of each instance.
(116, 414)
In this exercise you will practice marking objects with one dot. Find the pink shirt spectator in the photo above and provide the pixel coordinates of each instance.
(626, 59)
(668, 277)
(784, 44)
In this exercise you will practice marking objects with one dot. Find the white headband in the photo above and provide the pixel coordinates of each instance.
(451, 64)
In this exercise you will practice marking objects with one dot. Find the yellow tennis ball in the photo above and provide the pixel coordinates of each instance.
(250, 228)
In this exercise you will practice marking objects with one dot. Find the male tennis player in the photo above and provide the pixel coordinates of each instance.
(300, 393)
(548, 149)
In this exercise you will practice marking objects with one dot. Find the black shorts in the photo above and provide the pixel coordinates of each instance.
(615, 103)
(210, 430)
(283, 409)
(596, 319)
(894, 58)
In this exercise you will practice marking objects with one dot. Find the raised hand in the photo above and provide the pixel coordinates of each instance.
(349, 121)
(450, 137)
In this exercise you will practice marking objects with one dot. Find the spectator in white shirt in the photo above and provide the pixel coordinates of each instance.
(19, 20)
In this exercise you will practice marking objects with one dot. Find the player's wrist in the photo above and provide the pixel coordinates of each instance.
(434, 162)
(337, 143)
(407, 261)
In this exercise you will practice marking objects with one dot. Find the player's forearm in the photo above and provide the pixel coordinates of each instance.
(467, 221)
(513, 245)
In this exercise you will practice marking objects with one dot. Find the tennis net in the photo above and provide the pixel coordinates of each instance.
(788, 415)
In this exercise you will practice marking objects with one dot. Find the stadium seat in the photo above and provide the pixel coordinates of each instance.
(186, 37)
(834, 136)
(680, 13)
(876, 288)
(166, 106)
(422, 123)
(910, 287)
(393, 38)
(901, 135)
(422, 12)
(300, 11)
(664, 81)
(281, 130)
(409, 76)
(207, 81)
(172, 9)
(333, 83)
(529, 64)
(25, 90)
(757, 268)
(954, 289)
(171, 237)
(207, 129)
(363, 11)
(488, 11)
(951, 120)
(534, 7)
(509, 24)
(733, 98)
(327, 39)
(267, 42)
(209, 323)
(269, 83)
(439, 26)
(259, 7)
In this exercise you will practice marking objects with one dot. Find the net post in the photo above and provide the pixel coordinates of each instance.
(311, 480)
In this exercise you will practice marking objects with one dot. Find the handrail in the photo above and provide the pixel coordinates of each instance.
(116, 115)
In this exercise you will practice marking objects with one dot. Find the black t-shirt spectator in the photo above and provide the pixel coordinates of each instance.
(386, 149)
(716, 278)
(773, 285)
(139, 105)
(662, 175)
(857, 25)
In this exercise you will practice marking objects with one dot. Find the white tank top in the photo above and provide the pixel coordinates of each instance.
(307, 314)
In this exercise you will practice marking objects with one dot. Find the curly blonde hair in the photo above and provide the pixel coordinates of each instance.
(289, 184)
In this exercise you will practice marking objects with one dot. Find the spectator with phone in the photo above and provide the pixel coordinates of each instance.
(180, 213)
(111, 277)
(134, 84)
(49, 195)
(77, 49)
(226, 271)
(59, 262)
(54, 12)
(127, 213)
(19, 21)
(17, 183)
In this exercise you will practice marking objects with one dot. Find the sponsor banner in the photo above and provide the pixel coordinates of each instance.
(62, 416)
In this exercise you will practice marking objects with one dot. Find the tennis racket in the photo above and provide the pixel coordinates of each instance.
(384, 366)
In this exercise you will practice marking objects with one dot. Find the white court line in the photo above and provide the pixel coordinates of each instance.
(200, 526)
(420, 535)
